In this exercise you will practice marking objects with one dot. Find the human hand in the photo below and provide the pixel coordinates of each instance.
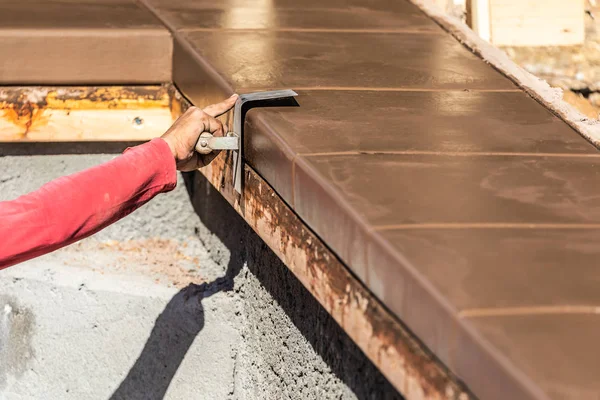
(183, 135)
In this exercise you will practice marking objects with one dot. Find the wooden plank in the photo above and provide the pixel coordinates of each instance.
(59, 114)
(528, 22)
(537, 23)
(478, 17)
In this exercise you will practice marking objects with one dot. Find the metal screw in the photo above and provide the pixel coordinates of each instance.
(203, 143)
(138, 121)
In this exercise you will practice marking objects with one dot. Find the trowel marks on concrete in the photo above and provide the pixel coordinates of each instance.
(16, 328)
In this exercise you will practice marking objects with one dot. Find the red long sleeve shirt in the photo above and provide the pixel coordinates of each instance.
(74, 207)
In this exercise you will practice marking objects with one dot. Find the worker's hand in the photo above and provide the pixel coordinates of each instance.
(183, 135)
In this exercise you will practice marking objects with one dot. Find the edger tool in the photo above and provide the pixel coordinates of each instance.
(234, 140)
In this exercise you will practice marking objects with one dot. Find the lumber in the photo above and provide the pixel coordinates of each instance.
(61, 114)
(528, 22)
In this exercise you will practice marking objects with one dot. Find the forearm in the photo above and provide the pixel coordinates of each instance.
(76, 206)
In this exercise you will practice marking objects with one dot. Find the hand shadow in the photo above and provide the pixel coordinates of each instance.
(183, 318)
(174, 332)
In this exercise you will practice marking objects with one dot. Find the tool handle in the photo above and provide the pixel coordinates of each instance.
(208, 143)
(202, 146)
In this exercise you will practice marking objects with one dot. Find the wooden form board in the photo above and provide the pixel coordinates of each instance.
(528, 22)
(59, 114)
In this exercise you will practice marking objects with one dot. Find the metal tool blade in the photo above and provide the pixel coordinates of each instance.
(238, 126)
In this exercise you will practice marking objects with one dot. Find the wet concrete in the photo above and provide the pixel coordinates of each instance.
(292, 348)
(167, 304)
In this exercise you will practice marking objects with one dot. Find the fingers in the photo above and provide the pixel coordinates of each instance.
(213, 125)
(221, 108)
(183, 135)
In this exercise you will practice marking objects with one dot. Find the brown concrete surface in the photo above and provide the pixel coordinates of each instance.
(430, 175)
(421, 123)
(82, 42)
(272, 60)
(551, 339)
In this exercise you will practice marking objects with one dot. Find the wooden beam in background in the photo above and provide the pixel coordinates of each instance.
(528, 22)
(478, 17)
(59, 114)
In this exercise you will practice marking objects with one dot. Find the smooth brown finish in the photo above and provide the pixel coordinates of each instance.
(85, 58)
(371, 121)
(430, 122)
(67, 42)
(508, 270)
(291, 14)
(256, 60)
(390, 190)
(419, 270)
(270, 153)
(558, 352)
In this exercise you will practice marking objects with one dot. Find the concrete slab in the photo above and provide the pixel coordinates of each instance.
(75, 331)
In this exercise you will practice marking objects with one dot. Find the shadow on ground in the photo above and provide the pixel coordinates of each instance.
(183, 318)
(170, 339)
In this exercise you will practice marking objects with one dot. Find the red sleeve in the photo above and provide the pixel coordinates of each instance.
(76, 206)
